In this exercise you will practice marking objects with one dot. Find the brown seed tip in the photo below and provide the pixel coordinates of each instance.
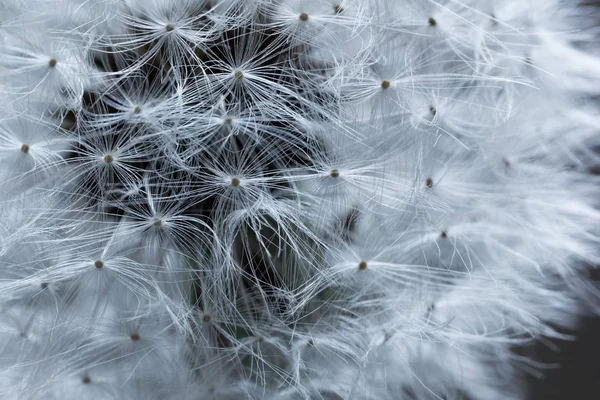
(137, 109)
(432, 110)
(86, 380)
(337, 9)
(362, 265)
(52, 63)
(239, 75)
(303, 17)
(385, 84)
(334, 173)
(229, 121)
(157, 223)
(108, 158)
(429, 182)
(169, 28)
(25, 148)
(44, 285)
(443, 235)
(99, 264)
(235, 182)
(206, 318)
(432, 21)
(135, 337)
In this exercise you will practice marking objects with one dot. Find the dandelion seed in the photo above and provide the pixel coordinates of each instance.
(303, 17)
(135, 337)
(169, 28)
(334, 173)
(432, 21)
(86, 380)
(385, 84)
(429, 182)
(108, 158)
(235, 182)
(25, 148)
(362, 265)
(99, 264)
(206, 318)
(52, 63)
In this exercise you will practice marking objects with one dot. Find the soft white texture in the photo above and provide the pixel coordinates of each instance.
(286, 199)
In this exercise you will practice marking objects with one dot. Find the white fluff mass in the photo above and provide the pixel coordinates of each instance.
(293, 199)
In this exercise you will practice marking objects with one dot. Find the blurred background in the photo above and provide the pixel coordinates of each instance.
(577, 376)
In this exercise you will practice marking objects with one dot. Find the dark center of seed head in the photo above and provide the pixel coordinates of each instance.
(25, 148)
(86, 380)
(135, 337)
(303, 17)
(362, 265)
(432, 21)
(99, 264)
(206, 318)
(235, 182)
(108, 158)
(239, 75)
(385, 84)
(429, 182)
(52, 63)
(334, 173)
(169, 28)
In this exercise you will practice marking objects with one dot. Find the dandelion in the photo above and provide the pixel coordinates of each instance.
(333, 199)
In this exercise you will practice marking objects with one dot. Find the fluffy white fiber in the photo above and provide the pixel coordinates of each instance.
(288, 199)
